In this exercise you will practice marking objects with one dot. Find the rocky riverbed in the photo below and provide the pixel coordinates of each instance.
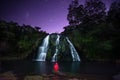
(54, 76)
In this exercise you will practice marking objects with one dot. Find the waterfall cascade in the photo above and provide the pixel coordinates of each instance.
(74, 53)
(43, 49)
(56, 50)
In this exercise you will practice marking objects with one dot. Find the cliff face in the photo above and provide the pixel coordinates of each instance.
(64, 53)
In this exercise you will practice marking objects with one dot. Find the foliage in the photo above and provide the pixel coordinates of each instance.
(94, 11)
(18, 41)
(98, 34)
(72, 15)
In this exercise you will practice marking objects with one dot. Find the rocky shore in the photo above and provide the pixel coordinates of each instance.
(53, 76)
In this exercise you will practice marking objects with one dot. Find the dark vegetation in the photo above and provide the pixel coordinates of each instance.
(94, 31)
(17, 42)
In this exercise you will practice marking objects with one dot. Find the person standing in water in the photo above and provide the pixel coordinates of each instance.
(56, 66)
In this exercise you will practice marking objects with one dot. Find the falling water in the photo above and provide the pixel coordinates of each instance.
(74, 53)
(56, 50)
(43, 49)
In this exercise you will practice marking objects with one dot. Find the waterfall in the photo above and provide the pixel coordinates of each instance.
(43, 49)
(74, 53)
(54, 58)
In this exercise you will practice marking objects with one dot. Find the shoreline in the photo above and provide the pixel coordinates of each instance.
(54, 76)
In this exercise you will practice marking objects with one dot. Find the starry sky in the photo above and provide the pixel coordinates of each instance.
(50, 15)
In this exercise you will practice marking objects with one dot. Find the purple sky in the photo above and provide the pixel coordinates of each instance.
(50, 15)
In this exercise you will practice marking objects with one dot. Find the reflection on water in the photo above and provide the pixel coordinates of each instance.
(40, 67)
(75, 66)
(43, 67)
(36, 67)
(72, 67)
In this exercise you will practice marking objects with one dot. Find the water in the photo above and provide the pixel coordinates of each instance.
(43, 49)
(56, 50)
(74, 53)
(38, 67)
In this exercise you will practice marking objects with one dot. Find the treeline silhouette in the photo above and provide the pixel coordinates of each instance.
(95, 31)
(17, 42)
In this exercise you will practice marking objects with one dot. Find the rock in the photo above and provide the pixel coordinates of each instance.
(46, 79)
(74, 79)
(34, 77)
(116, 77)
(59, 73)
(50, 75)
(44, 75)
(8, 76)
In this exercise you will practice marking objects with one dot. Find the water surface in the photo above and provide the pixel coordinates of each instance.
(37, 67)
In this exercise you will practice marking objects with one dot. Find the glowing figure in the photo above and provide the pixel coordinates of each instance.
(56, 67)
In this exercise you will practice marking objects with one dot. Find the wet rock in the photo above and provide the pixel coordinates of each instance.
(74, 79)
(116, 77)
(59, 73)
(8, 76)
(34, 77)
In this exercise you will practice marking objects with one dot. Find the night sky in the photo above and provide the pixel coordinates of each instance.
(50, 15)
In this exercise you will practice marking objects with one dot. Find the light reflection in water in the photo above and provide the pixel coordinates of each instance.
(75, 66)
(72, 67)
(37, 67)
(47, 67)
(40, 67)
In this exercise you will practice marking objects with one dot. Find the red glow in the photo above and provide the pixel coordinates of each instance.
(56, 67)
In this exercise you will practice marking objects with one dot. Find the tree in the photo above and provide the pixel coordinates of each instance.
(37, 28)
(94, 11)
(114, 14)
(114, 22)
(80, 13)
(18, 41)
(72, 13)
